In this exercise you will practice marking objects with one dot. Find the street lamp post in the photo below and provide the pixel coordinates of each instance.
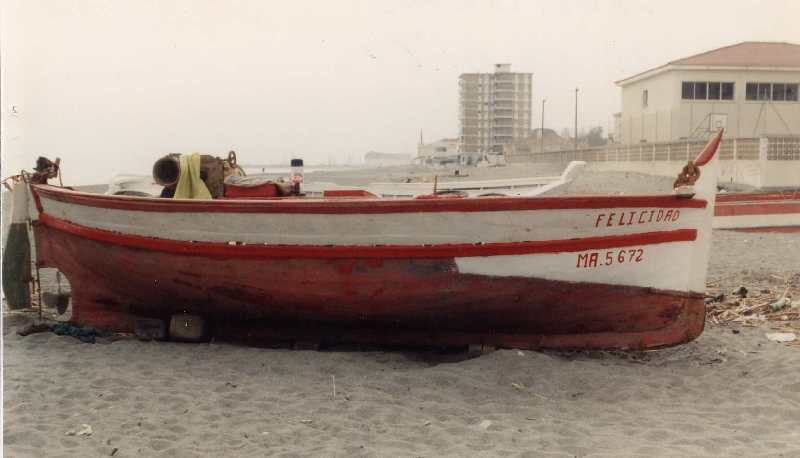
(541, 131)
(576, 119)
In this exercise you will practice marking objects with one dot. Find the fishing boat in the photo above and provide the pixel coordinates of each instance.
(758, 212)
(139, 185)
(618, 271)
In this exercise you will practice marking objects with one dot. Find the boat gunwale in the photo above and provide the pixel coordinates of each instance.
(755, 197)
(786, 207)
(363, 206)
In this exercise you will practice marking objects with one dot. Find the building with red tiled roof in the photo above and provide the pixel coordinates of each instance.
(750, 89)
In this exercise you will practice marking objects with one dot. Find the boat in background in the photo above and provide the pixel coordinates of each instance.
(133, 185)
(600, 271)
(758, 212)
(526, 186)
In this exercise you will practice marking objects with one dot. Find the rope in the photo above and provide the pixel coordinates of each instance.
(14, 179)
(775, 109)
(758, 120)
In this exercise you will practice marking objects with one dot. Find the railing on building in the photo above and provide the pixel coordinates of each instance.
(748, 148)
(783, 148)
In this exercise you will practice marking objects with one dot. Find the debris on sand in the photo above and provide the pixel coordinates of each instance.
(86, 334)
(85, 430)
(782, 337)
(777, 308)
(32, 328)
(711, 299)
(780, 303)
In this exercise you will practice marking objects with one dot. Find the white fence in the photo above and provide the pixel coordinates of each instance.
(763, 162)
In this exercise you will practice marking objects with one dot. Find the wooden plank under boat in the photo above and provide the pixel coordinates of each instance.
(526, 272)
(758, 212)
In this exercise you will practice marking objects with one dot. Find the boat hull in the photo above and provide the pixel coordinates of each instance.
(758, 212)
(361, 298)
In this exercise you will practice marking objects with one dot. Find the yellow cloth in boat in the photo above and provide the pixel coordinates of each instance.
(190, 185)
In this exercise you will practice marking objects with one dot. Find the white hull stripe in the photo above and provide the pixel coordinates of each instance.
(382, 228)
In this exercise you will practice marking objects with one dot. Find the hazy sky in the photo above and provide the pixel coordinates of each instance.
(112, 85)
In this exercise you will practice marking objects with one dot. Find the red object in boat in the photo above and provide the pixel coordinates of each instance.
(265, 190)
(526, 272)
(342, 193)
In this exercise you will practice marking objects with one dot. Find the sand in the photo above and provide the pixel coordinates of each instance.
(731, 392)
(725, 394)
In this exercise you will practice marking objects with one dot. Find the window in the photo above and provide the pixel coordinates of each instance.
(791, 92)
(727, 91)
(713, 91)
(644, 98)
(751, 91)
(778, 92)
(706, 90)
(763, 91)
(687, 90)
(700, 90)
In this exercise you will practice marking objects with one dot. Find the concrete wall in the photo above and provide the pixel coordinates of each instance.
(762, 175)
(765, 162)
(747, 172)
(779, 174)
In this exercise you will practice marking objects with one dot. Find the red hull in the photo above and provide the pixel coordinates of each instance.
(377, 300)
(775, 229)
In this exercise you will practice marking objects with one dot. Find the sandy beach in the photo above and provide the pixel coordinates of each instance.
(732, 392)
(462, 239)
(726, 394)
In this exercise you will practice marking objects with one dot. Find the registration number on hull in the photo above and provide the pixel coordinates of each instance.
(594, 259)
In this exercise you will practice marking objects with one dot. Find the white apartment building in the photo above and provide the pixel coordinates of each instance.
(750, 89)
(494, 109)
(440, 148)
